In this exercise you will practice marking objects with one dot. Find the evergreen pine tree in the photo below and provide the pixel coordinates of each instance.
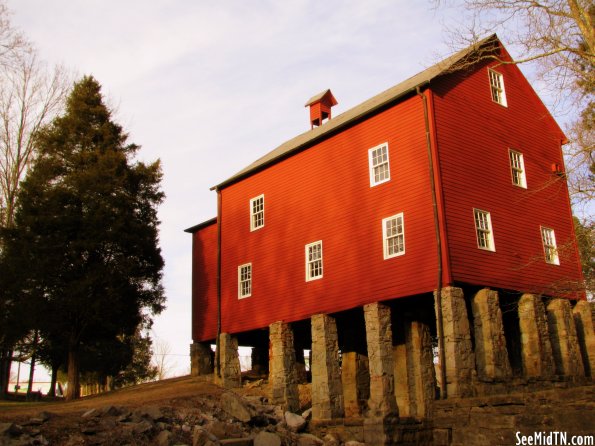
(86, 236)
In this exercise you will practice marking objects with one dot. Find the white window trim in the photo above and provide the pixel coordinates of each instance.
(253, 227)
(490, 230)
(501, 90)
(371, 166)
(556, 259)
(309, 278)
(240, 294)
(385, 238)
(520, 169)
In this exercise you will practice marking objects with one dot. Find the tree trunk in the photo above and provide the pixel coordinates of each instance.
(52, 391)
(74, 386)
(32, 368)
(5, 363)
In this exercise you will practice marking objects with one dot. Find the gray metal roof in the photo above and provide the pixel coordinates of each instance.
(357, 112)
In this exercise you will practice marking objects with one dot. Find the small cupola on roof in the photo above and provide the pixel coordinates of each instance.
(320, 107)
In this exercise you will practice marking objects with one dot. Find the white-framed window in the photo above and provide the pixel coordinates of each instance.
(550, 249)
(314, 261)
(483, 230)
(393, 236)
(379, 164)
(245, 280)
(517, 168)
(497, 87)
(257, 213)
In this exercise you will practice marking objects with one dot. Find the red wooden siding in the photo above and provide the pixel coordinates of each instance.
(204, 283)
(474, 135)
(324, 193)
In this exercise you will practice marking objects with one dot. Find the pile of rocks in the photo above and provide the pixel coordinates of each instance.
(232, 420)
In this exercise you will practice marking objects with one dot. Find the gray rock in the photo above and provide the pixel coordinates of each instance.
(201, 437)
(235, 406)
(12, 429)
(91, 413)
(307, 414)
(295, 422)
(331, 440)
(111, 411)
(142, 427)
(309, 440)
(163, 438)
(151, 412)
(354, 443)
(267, 439)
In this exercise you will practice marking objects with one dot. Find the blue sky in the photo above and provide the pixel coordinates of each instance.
(208, 87)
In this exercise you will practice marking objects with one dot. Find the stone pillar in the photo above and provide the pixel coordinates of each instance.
(491, 355)
(327, 393)
(414, 372)
(379, 338)
(567, 355)
(584, 319)
(231, 375)
(282, 374)
(402, 391)
(201, 358)
(260, 360)
(355, 377)
(422, 362)
(458, 350)
(536, 349)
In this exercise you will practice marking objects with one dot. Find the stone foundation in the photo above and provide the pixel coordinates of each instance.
(460, 361)
(536, 348)
(491, 355)
(567, 355)
(415, 379)
(231, 376)
(584, 320)
(379, 338)
(327, 392)
(355, 379)
(282, 371)
(201, 358)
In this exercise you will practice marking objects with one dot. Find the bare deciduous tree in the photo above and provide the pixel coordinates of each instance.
(30, 95)
(557, 37)
(161, 359)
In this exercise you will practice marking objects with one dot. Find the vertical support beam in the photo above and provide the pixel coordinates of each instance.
(355, 377)
(584, 319)
(415, 378)
(459, 358)
(402, 391)
(567, 355)
(231, 376)
(536, 349)
(282, 373)
(491, 355)
(201, 358)
(327, 392)
(422, 368)
(379, 337)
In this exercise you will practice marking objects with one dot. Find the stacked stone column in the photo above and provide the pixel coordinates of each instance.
(327, 393)
(458, 354)
(229, 360)
(491, 355)
(414, 372)
(282, 371)
(380, 356)
(565, 347)
(584, 319)
(201, 359)
(536, 348)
